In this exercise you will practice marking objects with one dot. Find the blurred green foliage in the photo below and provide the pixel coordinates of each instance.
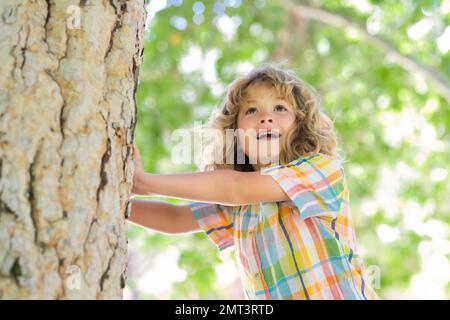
(368, 97)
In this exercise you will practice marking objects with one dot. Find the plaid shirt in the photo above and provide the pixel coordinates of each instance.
(303, 248)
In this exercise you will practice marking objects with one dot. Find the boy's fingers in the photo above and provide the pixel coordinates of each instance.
(137, 157)
(136, 150)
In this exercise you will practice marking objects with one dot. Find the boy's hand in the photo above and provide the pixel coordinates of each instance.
(138, 163)
(138, 173)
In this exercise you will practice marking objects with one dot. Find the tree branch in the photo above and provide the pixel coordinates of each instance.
(410, 64)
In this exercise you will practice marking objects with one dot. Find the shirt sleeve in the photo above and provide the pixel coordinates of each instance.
(315, 184)
(217, 221)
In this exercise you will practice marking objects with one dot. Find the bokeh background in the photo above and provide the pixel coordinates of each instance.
(381, 68)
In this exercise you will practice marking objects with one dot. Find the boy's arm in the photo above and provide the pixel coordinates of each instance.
(254, 187)
(227, 187)
(163, 217)
(214, 187)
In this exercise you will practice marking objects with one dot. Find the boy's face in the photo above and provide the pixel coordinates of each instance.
(264, 111)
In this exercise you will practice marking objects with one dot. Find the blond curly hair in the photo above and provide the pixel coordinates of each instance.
(314, 132)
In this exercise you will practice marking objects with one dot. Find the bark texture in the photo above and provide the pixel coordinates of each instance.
(68, 76)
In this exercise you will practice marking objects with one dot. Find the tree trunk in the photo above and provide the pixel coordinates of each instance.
(68, 76)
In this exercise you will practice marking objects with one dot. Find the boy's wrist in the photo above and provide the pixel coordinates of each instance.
(139, 184)
(142, 183)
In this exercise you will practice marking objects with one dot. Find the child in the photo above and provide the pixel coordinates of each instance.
(289, 222)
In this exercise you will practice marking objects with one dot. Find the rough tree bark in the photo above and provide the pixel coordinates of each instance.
(68, 76)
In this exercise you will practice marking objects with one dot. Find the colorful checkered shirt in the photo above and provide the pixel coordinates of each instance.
(303, 248)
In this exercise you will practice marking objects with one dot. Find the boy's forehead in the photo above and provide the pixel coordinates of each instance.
(257, 91)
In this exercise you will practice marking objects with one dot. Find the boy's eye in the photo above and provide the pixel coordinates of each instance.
(250, 110)
(280, 108)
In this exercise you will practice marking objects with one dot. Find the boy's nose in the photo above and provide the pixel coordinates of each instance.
(266, 118)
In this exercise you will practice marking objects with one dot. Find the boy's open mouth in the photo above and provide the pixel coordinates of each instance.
(268, 135)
